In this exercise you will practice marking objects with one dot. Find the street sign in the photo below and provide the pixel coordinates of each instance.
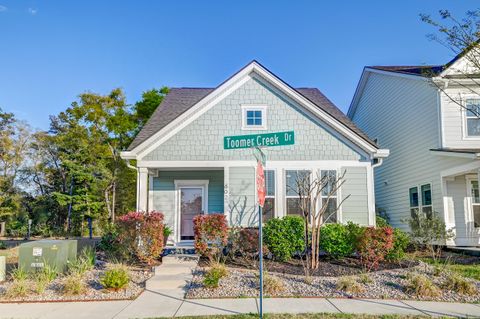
(258, 140)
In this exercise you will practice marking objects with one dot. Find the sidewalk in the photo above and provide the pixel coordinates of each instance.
(164, 298)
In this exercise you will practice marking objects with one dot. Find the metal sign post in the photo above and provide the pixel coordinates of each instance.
(255, 142)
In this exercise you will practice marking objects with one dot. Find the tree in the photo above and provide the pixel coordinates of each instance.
(144, 108)
(317, 206)
(14, 141)
(460, 36)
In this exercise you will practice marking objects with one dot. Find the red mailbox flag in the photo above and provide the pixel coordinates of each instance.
(260, 184)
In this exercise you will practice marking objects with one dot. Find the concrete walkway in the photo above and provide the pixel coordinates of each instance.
(164, 298)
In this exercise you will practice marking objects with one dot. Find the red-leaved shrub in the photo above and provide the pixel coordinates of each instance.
(373, 244)
(211, 233)
(247, 242)
(142, 234)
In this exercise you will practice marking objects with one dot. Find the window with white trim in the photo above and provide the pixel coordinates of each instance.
(475, 203)
(269, 206)
(427, 199)
(472, 117)
(421, 202)
(414, 202)
(254, 118)
(329, 179)
(291, 191)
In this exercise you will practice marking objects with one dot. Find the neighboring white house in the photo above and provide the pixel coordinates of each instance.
(434, 142)
(184, 170)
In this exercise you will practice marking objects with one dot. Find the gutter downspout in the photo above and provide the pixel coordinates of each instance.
(138, 183)
(379, 163)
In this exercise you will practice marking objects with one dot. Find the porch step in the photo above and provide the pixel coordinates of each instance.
(178, 250)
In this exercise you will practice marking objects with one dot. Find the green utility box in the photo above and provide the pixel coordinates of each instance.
(56, 253)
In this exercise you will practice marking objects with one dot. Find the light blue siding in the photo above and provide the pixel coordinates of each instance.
(354, 191)
(202, 140)
(164, 190)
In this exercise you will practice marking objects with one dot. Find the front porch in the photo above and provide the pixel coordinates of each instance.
(181, 194)
(461, 203)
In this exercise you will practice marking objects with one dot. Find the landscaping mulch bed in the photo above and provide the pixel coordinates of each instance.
(94, 291)
(388, 283)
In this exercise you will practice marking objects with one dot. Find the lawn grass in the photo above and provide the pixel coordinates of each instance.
(468, 271)
(309, 316)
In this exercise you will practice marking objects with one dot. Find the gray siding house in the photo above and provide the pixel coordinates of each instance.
(420, 113)
(184, 170)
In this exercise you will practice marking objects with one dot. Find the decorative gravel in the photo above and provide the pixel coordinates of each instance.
(385, 284)
(94, 291)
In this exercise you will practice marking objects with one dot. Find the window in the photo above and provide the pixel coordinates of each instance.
(414, 201)
(292, 193)
(423, 204)
(269, 207)
(475, 203)
(427, 200)
(472, 116)
(254, 118)
(329, 179)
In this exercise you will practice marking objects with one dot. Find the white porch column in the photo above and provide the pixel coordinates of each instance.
(142, 196)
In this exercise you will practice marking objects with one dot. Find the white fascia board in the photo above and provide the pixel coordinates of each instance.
(127, 155)
(382, 153)
(358, 93)
(251, 163)
(456, 154)
(226, 88)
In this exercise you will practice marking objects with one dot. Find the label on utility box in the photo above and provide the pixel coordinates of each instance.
(37, 251)
(37, 265)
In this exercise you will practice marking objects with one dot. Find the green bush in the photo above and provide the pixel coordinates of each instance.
(110, 244)
(115, 278)
(284, 236)
(338, 240)
(212, 277)
(401, 240)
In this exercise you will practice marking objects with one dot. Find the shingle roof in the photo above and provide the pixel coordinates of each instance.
(179, 100)
(420, 70)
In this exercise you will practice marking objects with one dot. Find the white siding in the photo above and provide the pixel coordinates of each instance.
(454, 120)
(403, 115)
(242, 203)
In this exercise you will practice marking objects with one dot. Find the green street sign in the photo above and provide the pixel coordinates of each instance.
(258, 140)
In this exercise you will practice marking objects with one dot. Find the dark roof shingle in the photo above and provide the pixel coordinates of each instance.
(179, 100)
(420, 70)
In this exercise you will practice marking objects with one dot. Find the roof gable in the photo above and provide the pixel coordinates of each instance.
(184, 104)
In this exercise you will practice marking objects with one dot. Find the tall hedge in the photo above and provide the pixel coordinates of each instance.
(284, 236)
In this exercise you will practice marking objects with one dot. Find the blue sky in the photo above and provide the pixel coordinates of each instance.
(51, 51)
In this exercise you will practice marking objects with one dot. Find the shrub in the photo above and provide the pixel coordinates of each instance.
(212, 277)
(211, 234)
(349, 284)
(272, 285)
(88, 255)
(420, 285)
(365, 279)
(115, 278)
(18, 289)
(284, 236)
(167, 231)
(338, 240)
(19, 274)
(373, 245)
(219, 268)
(401, 240)
(142, 235)
(457, 283)
(110, 243)
(429, 231)
(247, 243)
(73, 285)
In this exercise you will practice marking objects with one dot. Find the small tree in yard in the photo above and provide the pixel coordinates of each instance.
(318, 204)
(429, 231)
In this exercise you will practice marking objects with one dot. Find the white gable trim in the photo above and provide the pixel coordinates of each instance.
(363, 81)
(224, 90)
